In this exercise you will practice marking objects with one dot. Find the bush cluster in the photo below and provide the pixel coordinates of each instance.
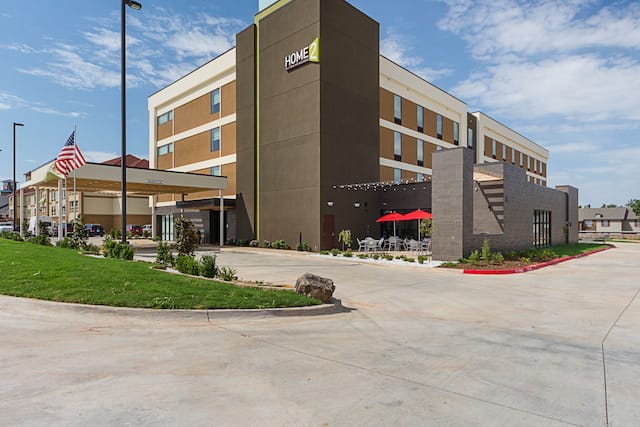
(206, 267)
(164, 257)
(11, 235)
(115, 249)
(279, 244)
(486, 256)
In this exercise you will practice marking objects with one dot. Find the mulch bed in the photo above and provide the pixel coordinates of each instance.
(506, 265)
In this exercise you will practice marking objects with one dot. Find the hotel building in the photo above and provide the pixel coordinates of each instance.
(317, 132)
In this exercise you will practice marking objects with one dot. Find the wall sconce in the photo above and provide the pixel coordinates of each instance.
(356, 205)
(330, 203)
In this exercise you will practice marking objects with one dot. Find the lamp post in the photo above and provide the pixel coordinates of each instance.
(13, 184)
(123, 82)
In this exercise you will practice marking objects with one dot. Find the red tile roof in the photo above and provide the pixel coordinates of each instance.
(132, 162)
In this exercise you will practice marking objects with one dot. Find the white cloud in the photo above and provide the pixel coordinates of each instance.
(11, 102)
(498, 27)
(199, 43)
(572, 147)
(397, 48)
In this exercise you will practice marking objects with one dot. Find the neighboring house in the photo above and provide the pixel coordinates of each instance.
(93, 208)
(613, 221)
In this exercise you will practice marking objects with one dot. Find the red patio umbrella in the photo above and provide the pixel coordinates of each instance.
(418, 214)
(393, 216)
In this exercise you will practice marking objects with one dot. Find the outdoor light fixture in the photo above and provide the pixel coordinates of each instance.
(356, 205)
(13, 184)
(330, 203)
(123, 83)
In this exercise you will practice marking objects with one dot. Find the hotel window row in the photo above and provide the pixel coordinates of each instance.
(532, 164)
(445, 129)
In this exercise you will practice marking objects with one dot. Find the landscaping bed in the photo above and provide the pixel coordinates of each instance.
(59, 274)
(521, 261)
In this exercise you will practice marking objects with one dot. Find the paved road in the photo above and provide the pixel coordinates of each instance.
(417, 348)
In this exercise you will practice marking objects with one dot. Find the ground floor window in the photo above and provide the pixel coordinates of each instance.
(166, 228)
(541, 228)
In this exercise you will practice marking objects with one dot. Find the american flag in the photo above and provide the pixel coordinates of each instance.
(70, 157)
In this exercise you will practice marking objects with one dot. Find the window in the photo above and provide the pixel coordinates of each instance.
(541, 228)
(420, 177)
(528, 163)
(504, 152)
(420, 153)
(215, 101)
(470, 138)
(397, 109)
(164, 118)
(215, 139)
(588, 223)
(397, 176)
(605, 223)
(165, 149)
(493, 148)
(397, 146)
(439, 126)
(215, 170)
(513, 156)
(456, 133)
(521, 160)
(53, 211)
(53, 196)
(420, 119)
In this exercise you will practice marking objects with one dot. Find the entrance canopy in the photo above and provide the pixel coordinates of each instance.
(97, 177)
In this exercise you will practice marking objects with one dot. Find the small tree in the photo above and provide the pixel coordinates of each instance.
(345, 237)
(486, 251)
(79, 234)
(426, 227)
(186, 237)
(634, 204)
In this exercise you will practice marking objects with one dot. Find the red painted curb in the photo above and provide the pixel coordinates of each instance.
(537, 266)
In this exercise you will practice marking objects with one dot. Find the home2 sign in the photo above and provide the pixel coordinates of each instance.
(309, 53)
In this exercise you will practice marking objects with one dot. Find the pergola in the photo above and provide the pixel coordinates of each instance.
(97, 177)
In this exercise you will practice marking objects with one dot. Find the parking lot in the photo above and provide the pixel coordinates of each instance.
(414, 347)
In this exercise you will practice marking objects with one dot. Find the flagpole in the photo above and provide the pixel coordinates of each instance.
(75, 156)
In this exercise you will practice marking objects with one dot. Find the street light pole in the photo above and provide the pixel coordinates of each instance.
(13, 184)
(123, 83)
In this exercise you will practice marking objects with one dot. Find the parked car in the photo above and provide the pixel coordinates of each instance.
(146, 227)
(135, 230)
(94, 230)
(6, 226)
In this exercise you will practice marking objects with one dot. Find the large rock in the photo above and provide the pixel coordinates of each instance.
(314, 286)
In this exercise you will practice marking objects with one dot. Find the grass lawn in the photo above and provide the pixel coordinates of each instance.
(576, 249)
(56, 274)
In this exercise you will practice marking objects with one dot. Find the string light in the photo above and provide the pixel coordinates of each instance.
(382, 185)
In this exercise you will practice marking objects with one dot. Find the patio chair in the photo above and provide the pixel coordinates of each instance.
(372, 244)
(380, 245)
(361, 244)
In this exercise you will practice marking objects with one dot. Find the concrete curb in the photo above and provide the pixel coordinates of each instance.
(536, 266)
(202, 315)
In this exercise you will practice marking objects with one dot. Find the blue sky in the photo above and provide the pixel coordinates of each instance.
(564, 73)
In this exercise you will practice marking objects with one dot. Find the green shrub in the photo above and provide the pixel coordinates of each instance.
(227, 274)
(303, 247)
(363, 256)
(486, 251)
(348, 253)
(546, 255)
(497, 258)
(79, 234)
(448, 264)
(187, 264)
(164, 256)
(335, 251)
(116, 249)
(208, 266)
(376, 256)
(42, 239)
(345, 237)
(525, 260)
(474, 258)
(407, 259)
(187, 238)
(324, 252)
(254, 243)
(146, 234)
(463, 260)
(91, 248)
(279, 244)
(421, 259)
(511, 256)
(11, 235)
(388, 257)
(64, 243)
(265, 244)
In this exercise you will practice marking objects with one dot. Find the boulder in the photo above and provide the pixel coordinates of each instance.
(314, 286)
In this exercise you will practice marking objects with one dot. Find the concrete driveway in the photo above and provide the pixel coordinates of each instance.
(418, 348)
